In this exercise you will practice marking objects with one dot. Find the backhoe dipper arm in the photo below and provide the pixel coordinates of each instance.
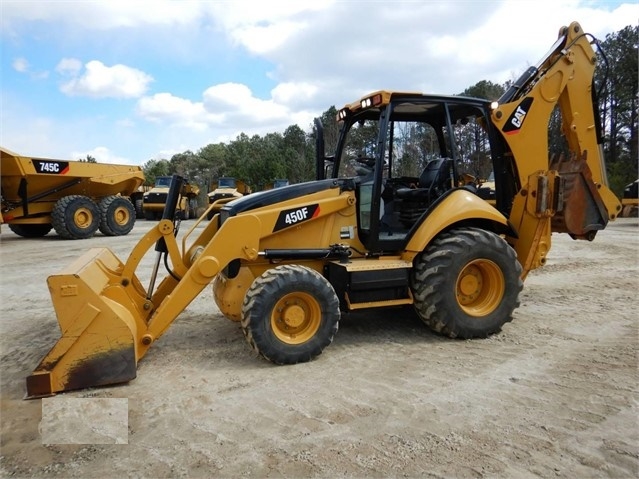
(556, 193)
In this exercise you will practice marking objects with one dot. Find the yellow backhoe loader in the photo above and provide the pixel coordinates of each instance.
(287, 262)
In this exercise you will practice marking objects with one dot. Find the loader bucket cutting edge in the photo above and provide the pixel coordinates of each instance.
(101, 323)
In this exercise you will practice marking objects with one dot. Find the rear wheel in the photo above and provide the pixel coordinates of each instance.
(117, 216)
(139, 209)
(30, 231)
(193, 208)
(75, 217)
(290, 314)
(467, 283)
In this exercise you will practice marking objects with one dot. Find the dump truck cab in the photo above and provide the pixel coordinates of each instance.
(223, 190)
(154, 199)
(630, 200)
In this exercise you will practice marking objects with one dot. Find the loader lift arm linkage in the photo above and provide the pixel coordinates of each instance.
(286, 262)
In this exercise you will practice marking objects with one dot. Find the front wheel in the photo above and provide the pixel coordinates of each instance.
(36, 230)
(466, 284)
(290, 314)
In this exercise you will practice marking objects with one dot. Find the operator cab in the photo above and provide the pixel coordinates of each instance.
(406, 154)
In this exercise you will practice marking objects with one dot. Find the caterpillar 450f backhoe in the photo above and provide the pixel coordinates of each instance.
(365, 234)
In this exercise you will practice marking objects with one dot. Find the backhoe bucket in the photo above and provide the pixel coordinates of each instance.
(582, 211)
(99, 319)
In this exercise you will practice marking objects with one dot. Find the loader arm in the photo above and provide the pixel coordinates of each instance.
(109, 320)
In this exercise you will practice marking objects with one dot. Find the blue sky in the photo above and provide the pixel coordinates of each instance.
(130, 81)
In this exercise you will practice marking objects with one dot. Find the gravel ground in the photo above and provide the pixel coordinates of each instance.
(555, 394)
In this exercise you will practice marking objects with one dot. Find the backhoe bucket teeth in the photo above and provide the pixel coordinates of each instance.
(99, 319)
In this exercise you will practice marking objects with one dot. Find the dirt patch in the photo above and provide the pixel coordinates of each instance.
(554, 394)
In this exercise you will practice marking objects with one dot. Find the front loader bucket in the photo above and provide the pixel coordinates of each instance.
(99, 319)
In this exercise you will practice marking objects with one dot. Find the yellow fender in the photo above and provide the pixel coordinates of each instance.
(460, 205)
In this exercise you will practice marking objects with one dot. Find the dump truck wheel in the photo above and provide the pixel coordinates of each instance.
(75, 217)
(193, 209)
(290, 314)
(467, 283)
(139, 209)
(30, 231)
(117, 216)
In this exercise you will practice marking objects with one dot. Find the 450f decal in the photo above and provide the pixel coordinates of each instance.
(295, 216)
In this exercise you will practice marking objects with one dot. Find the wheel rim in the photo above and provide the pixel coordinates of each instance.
(83, 218)
(480, 287)
(121, 216)
(296, 318)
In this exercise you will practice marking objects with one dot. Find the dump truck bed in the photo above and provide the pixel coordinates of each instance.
(43, 174)
(42, 180)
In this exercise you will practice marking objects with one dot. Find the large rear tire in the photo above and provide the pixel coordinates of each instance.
(30, 231)
(117, 216)
(75, 217)
(193, 208)
(290, 314)
(139, 209)
(466, 284)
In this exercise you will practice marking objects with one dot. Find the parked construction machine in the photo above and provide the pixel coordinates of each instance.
(154, 199)
(630, 200)
(277, 183)
(287, 262)
(224, 190)
(73, 197)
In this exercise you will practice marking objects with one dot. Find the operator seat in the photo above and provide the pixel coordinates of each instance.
(434, 181)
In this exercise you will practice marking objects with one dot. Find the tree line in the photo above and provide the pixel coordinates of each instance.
(259, 160)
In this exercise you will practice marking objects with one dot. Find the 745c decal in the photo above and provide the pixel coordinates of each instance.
(295, 216)
(51, 167)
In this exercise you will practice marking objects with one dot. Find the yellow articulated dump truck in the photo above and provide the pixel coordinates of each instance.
(630, 200)
(286, 263)
(222, 191)
(74, 198)
(154, 199)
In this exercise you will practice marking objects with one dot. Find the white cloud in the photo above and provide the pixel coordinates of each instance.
(100, 81)
(20, 65)
(261, 39)
(294, 94)
(262, 26)
(102, 154)
(69, 66)
(172, 110)
(97, 15)
(236, 101)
